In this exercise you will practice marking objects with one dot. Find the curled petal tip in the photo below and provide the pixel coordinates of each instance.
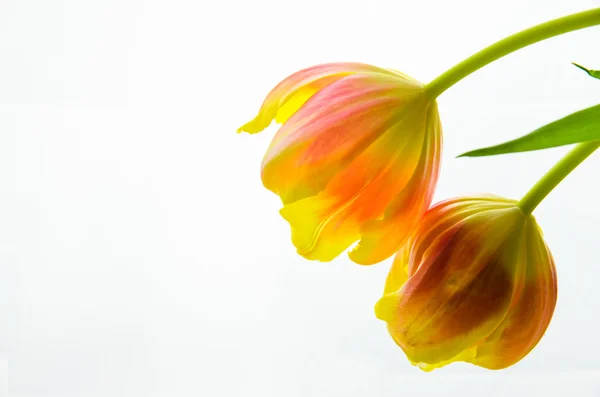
(355, 255)
(253, 127)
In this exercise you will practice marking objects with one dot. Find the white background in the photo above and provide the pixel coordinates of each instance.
(140, 254)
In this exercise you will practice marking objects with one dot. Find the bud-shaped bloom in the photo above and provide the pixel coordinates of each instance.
(356, 158)
(475, 282)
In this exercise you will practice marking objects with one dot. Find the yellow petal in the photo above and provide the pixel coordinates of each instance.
(398, 272)
(295, 102)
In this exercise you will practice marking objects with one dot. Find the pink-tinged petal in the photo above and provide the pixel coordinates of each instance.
(326, 224)
(349, 160)
(334, 127)
(380, 238)
(289, 95)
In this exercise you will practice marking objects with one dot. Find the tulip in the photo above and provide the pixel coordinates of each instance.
(475, 282)
(356, 158)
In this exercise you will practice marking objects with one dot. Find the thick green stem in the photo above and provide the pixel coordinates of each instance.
(510, 44)
(556, 174)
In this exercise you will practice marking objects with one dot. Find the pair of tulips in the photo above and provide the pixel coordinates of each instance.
(357, 160)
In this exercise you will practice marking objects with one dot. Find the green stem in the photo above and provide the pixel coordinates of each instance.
(556, 174)
(510, 44)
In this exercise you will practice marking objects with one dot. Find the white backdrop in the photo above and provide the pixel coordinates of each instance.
(140, 254)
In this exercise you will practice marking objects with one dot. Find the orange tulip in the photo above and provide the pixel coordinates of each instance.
(357, 158)
(475, 282)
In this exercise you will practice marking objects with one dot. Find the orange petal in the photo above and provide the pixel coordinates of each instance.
(326, 224)
(381, 238)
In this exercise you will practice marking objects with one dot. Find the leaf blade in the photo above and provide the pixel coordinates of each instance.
(581, 126)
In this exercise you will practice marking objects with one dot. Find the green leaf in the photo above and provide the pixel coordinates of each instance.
(593, 73)
(582, 126)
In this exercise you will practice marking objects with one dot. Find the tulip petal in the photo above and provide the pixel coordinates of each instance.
(289, 95)
(386, 310)
(528, 320)
(382, 237)
(475, 283)
(465, 355)
(446, 215)
(298, 99)
(326, 224)
(458, 295)
(335, 126)
(398, 273)
(440, 217)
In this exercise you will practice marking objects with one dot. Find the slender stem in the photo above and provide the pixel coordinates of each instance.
(556, 174)
(510, 44)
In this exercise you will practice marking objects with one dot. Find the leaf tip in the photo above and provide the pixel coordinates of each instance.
(582, 68)
(472, 153)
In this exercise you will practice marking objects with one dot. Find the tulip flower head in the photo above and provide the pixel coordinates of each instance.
(356, 158)
(475, 282)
